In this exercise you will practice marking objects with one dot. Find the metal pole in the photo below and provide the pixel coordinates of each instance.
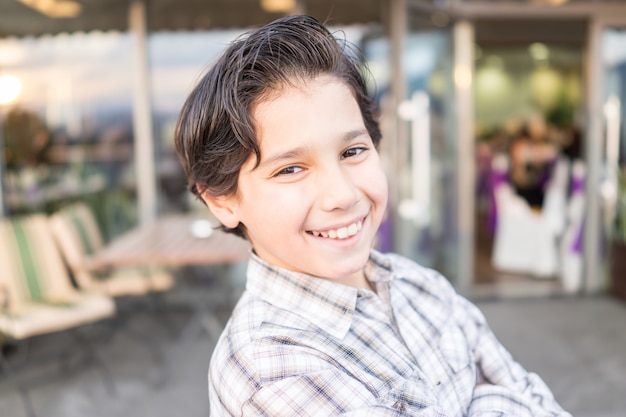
(463, 68)
(3, 212)
(397, 25)
(593, 275)
(142, 116)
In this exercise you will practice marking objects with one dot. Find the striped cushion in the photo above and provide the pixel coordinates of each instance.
(86, 227)
(40, 295)
(79, 238)
(35, 319)
(72, 246)
(31, 258)
(12, 300)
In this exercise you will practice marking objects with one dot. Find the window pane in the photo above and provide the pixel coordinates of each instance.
(68, 130)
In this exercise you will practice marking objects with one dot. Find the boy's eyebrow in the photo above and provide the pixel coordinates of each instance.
(290, 154)
(296, 152)
(355, 134)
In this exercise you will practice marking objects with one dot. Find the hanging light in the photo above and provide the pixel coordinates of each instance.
(10, 88)
(551, 2)
(278, 6)
(55, 8)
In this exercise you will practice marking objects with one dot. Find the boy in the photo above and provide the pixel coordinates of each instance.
(279, 140)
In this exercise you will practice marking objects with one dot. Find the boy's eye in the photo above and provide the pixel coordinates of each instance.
(353, 152)
(288, 171)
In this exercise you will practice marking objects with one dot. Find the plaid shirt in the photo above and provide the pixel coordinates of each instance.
(297, 345)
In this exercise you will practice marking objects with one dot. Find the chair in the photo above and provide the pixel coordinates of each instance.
(36, 293)
(77, 234)
(526, 241)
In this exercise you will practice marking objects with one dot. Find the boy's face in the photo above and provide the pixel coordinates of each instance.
(315, 201)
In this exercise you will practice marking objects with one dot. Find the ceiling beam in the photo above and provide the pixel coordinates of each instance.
(470, 9)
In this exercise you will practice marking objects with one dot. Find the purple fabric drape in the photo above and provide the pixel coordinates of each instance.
(497, 178)
(578, 187)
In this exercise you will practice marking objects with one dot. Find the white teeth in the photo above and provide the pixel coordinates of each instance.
(342, 232)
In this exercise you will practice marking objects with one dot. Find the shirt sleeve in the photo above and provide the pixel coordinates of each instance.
(504, 387)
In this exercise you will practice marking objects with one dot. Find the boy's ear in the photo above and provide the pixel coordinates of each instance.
(222, 207)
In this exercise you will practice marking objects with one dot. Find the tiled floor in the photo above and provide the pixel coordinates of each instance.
(578, 345)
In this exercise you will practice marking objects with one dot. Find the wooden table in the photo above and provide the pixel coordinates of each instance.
(170, 241)
(175, 241)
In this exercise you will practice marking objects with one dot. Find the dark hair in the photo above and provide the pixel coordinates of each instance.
(215, 134)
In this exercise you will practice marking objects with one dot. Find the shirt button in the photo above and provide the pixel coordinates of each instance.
(437, 379)
(398, 405)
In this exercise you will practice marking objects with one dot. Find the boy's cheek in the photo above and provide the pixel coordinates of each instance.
(375, 181)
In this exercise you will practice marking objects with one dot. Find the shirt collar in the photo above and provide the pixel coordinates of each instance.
(326, 304)
(378, 269)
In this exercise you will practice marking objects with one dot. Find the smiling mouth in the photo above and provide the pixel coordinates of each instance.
(340, 233)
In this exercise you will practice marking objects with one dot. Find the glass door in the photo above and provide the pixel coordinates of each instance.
(613, 173)
(424, 161)
(421, 146)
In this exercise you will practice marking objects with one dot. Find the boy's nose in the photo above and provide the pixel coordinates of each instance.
(337, 189)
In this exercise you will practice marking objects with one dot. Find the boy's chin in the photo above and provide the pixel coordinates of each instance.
(344, 273)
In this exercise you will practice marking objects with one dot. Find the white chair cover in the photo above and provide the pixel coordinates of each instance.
(526, 241)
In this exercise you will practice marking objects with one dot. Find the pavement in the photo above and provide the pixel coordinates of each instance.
(157, 361)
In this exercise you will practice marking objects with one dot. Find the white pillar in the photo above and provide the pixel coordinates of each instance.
(2, 165)
(463, 69)
(399, 133)
(593, 276)
(142, 116)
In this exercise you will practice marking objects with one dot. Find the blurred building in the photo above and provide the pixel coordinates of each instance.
(90, 91)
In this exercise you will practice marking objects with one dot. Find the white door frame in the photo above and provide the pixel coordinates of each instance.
(594, 272)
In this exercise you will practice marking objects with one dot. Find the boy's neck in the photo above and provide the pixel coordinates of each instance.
(361, 282)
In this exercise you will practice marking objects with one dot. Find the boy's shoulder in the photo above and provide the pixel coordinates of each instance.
(406, 271)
